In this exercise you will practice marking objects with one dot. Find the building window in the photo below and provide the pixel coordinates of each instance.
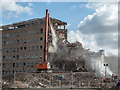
(24, 40)
(28, 48)
(25, 32)
(13, 41)
(3, 57)
(31, 64)
(3, 42)
(37, 32)
(25, 56)
(21, 41)
(28, 56)
(17, 49)
(17, 64)
(13, 64)
(41, 38)
(17, 41)
(3, 65)
(36, 56)
(32, 39)
(40, 56)
(36, 39)
(7, 42)
(18, 34)
(21, 33)
(28, 40)
(24, 64)
(5, 72)
(20, 57)
(28, 65)
(61, 27)
(32, 56)
(13, 57)
(10, 41)
(41, 30)
(7, 35)
(13, 49)
(11, 35)
(6, 49)
(33, 32)
(21, 64)
(3, 49)
(6, 57)
(17, 56)
(29, 32)
(10, 49)
(37, 47)
(4, 36)
(9, 57)
(13, 71)
(24, 48)
(40, 47)
(21, 48)
(32, 47)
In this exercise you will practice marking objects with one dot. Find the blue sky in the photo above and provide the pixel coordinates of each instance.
(93, 24)
(70, 12)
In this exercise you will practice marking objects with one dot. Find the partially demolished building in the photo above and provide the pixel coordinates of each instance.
(23, 44)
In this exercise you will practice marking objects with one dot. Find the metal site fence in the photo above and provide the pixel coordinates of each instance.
(73, 80)
(57, 80)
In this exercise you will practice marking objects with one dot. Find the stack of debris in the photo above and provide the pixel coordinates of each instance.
(37, 80)
(69, 58)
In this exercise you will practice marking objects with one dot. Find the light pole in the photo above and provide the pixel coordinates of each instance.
(106, 65)
(14, 79)
(72, 80)
(79, 83)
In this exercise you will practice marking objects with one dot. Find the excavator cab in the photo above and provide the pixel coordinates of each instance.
(43, 66)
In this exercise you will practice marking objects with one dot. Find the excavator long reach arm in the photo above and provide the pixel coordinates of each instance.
(45, 65)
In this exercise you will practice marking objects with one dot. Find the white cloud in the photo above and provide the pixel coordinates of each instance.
(88, 41)
(99, 30)
(12, 6)
(68, 25)
(0, 26)
(74, 6)
(30, 4)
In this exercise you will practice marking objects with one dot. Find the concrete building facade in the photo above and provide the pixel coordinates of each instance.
(23, 44)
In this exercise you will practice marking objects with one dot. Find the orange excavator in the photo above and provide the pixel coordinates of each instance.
(45, 65)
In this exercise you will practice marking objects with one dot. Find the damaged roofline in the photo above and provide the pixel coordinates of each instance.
(31, 21)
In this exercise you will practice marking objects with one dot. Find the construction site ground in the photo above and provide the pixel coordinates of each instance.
(61, 89)
(55, 80)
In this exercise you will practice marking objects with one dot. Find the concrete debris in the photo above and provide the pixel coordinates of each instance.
(42, 80)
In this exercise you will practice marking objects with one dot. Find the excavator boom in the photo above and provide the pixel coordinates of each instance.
(45, 64)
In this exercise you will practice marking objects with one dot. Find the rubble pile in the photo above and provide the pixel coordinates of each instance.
(32, 80)
(69, 57)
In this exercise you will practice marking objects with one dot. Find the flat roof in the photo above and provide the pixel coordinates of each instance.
(33, 21)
